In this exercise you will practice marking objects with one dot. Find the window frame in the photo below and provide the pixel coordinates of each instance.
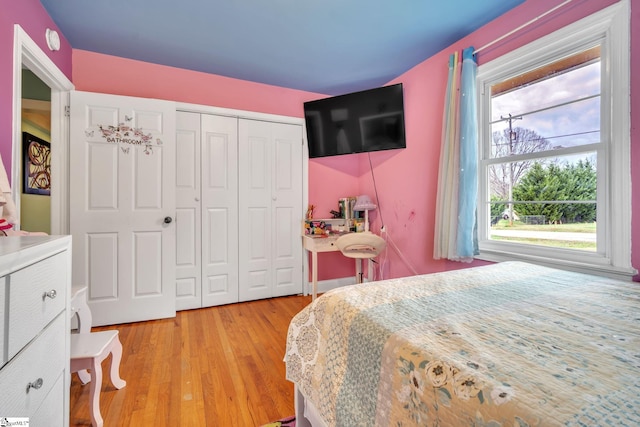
(610, 29)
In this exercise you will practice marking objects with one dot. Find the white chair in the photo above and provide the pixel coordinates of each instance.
(364, 245)
(89, 349)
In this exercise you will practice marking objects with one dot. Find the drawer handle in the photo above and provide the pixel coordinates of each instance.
(51, 294)
(37, 384)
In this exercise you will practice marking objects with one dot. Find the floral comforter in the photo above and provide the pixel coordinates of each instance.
(510, 344)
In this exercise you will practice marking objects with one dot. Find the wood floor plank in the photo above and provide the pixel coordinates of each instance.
(212, 366)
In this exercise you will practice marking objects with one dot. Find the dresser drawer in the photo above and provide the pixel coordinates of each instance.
(31, 310)
(51, 412)
(320, 244)
(42, 361)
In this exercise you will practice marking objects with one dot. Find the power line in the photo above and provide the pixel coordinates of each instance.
(550, 137)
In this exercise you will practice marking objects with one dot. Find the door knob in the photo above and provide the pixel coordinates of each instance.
(168, 219)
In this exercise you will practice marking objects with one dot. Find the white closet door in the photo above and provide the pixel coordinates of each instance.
(270, 214)
(287, 209)
(122, 187)
(188, 212)
(219, 210)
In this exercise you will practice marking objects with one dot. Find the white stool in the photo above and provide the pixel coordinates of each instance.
(363, 245)
(89, 349)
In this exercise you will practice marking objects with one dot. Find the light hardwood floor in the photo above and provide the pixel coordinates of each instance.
(218, 366)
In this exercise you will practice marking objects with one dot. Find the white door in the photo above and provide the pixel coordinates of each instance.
(188, 229)
(270, 170)
(207, 210)
(122, 203)
(219, 210)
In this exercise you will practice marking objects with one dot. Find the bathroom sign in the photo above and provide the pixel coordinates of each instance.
(125, 134)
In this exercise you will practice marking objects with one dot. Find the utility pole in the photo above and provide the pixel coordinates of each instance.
(512, 139)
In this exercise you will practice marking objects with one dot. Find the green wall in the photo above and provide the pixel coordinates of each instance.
(35, 209)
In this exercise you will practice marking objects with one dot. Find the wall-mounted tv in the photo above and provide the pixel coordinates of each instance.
(359, 122)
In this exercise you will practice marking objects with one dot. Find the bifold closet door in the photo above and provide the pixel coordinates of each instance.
(219, 167)
(188, 212)
(270, 190)
(207, 210)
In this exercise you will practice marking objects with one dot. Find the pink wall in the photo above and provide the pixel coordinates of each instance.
(407, 179)
(95, 72)
(34, 20)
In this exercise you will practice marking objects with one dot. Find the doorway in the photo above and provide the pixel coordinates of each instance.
(35, 203)
(28, 56)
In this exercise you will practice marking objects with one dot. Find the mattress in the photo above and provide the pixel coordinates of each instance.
(509, 344)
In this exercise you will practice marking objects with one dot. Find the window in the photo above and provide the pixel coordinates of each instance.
(554, 157)
(545, 140)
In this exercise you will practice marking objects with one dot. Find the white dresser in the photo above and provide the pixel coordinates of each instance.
(35, 287)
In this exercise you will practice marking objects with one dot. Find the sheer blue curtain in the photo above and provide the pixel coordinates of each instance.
(455, 226)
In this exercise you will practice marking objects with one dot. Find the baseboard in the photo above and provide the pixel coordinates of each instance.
(327, 285)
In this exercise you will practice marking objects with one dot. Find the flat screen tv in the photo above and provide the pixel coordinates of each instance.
(359, 122)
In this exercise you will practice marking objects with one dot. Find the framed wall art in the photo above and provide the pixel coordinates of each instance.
(36, 164)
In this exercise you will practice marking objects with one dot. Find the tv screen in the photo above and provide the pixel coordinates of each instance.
(370, 120)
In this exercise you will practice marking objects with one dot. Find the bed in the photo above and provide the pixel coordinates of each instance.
(509, 344)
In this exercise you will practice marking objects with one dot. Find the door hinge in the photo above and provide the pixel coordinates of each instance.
(67, 111)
